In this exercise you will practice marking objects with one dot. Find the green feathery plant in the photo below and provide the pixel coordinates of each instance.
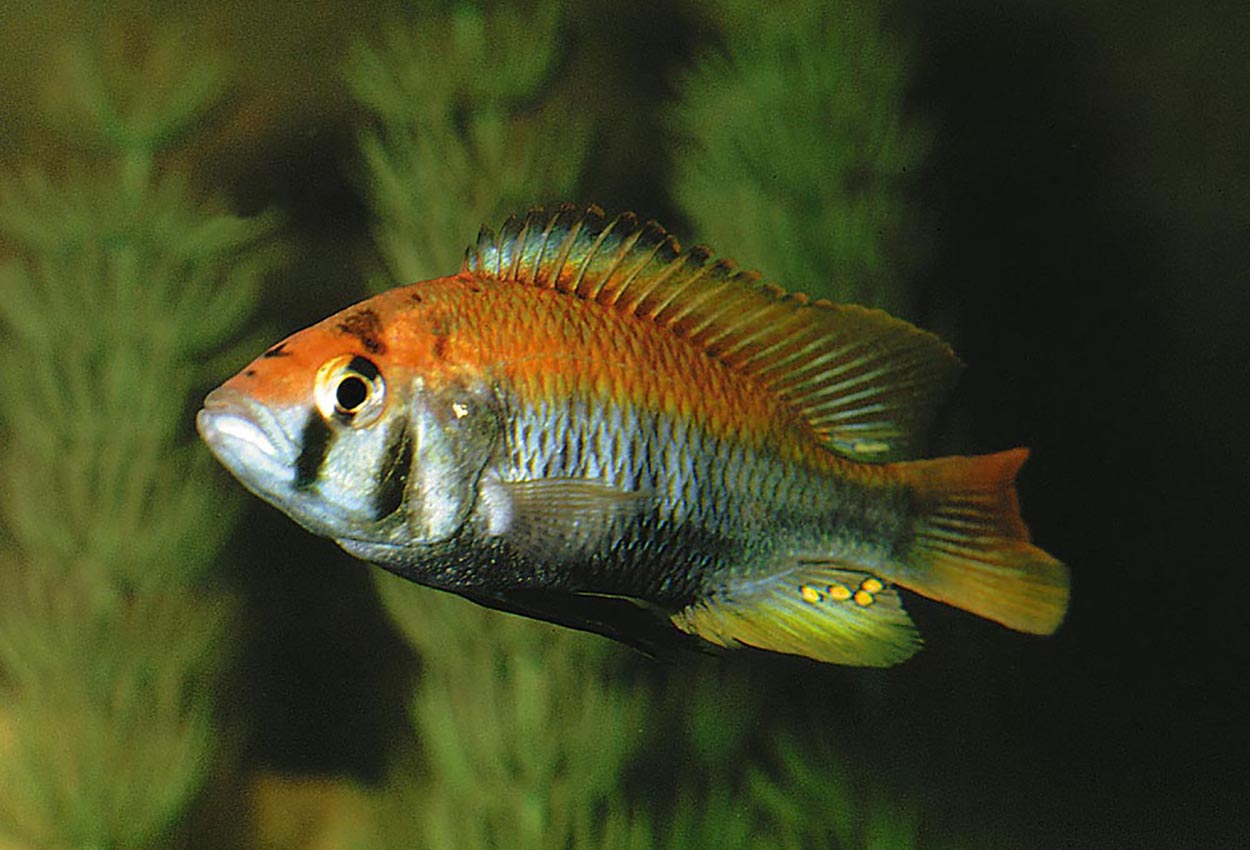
(523, 732)
(524, 741)
(118, 286)
(463, 134)
(794, 149)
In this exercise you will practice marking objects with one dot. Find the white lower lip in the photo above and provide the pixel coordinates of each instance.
(223, 428)
(244, 448)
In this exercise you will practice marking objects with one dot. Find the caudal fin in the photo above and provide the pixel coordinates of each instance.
(971, 548)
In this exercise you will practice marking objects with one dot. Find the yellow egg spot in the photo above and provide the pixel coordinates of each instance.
(810, 594)
(872, 585)
(839, 593)
(863, 598)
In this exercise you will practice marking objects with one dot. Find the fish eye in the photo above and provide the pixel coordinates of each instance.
(350, 390)
(351, 394)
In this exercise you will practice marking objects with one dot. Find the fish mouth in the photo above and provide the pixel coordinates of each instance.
(246, 436)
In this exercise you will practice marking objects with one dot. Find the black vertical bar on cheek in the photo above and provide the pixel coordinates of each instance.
(393, 472)
(315, 441)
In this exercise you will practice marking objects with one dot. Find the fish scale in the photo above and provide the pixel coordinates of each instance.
(718, 488)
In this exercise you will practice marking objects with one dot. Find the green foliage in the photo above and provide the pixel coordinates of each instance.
(136, 93)
(524, 728)
(794, 146)
(527, 732)
(522, 732)
(748, 776)
(814, 799)
(464, 130)
(119, 290)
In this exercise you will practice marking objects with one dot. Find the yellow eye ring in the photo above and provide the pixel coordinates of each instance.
(350, 390)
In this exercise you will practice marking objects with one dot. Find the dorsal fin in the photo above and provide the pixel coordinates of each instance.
(865, 382)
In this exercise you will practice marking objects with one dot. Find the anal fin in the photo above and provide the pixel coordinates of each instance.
(822, 611)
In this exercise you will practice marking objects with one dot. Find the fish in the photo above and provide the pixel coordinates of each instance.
(589, 425)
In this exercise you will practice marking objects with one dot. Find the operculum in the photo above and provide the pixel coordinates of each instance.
(458, 430)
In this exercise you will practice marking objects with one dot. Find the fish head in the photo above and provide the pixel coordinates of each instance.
(314, 426)
(339, 428)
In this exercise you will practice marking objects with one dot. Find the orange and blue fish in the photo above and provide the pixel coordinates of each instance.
(590, 426)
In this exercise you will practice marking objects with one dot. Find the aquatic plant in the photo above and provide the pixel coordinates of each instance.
(813, 796)
(794, 147)
(523, 731)
(463, 132)
(120, 289)
(526, 732)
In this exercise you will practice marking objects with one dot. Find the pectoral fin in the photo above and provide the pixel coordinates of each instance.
(821, 611)
(553, 519)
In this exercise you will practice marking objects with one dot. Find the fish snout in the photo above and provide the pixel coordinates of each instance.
(245, 435)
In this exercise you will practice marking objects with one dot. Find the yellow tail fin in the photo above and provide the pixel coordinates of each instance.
(971, 548)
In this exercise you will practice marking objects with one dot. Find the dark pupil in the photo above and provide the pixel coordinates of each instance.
(351, 393)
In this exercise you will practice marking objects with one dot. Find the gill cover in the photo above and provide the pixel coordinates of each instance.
(457, 430)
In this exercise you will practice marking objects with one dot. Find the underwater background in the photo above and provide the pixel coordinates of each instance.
(1061, 190)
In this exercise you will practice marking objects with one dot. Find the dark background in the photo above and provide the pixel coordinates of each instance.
(1088, 201)
(1088, 205)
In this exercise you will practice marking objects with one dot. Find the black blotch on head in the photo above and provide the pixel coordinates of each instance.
(249, 373)
(277, 351)
(364, 367)
(365, 325)
(393, 475)
(315, 440)
(440, 346)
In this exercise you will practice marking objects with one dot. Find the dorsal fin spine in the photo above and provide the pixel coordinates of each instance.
(498, 256)
(562, 257)
(721, 271)
(715, 329)
(624, 275)
(681, 299)
(782, 360)
(615, 279)
(474, 251)
(558, 236)
(680, 276)
(647, 284)
(509, 247)
(592, 285)
(683, 303)
(772, 319)
(537, 273)
(578, 284)
(522, 243)
(675, 277)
